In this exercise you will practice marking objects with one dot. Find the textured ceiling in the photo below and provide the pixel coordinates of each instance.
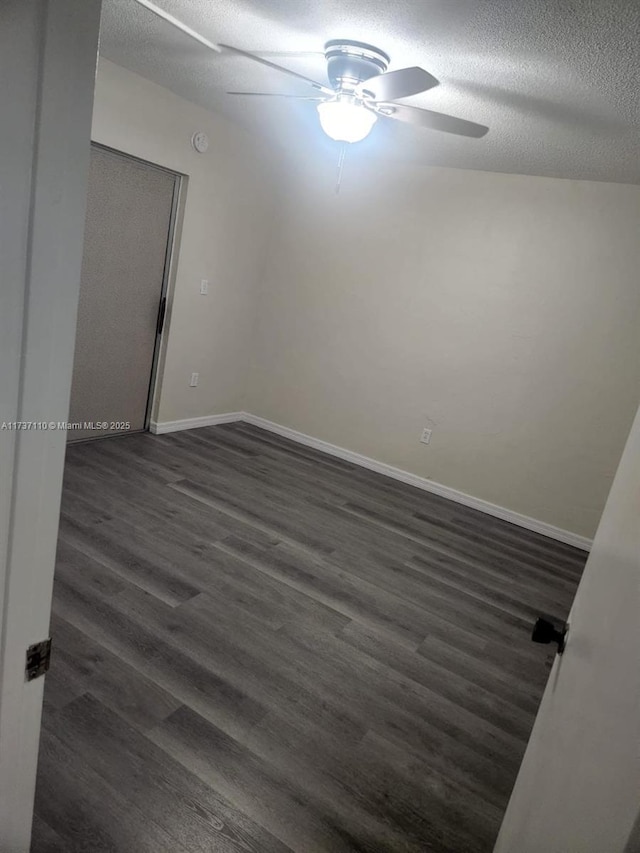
(557, 81)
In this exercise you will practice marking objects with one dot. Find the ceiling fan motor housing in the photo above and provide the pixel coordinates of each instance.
(350, 62)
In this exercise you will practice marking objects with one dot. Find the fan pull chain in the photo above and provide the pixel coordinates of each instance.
(341, 156)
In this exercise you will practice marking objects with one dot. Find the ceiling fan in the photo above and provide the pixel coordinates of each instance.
(361, 88)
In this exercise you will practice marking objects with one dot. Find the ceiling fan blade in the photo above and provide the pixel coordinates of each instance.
(431, 120)
(397, 84)
(279, 95)
(266, 62)
(297, 53)
(178, 24)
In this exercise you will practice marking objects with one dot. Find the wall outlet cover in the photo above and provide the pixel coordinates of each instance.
(425, 438)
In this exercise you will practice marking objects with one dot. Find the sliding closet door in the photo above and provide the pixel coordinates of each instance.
(127, 235)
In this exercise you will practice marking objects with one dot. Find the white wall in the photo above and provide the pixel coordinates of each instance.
(224, 235)
(502, 311)
(577, 790)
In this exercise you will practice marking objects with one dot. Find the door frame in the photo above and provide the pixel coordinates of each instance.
(178, 203)
(50, 49)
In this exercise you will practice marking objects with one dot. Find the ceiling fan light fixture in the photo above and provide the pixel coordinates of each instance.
(345, 121)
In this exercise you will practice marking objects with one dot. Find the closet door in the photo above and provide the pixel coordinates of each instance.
(126, 245)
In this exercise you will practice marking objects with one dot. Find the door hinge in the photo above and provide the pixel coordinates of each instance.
(38, 659)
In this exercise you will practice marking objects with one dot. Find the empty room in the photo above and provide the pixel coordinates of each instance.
(319, 445)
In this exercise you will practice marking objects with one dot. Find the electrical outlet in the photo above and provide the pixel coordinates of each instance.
(425, 438)
(194, 379)
(204, 287)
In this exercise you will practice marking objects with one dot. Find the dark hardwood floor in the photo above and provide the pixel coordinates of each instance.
(259, 648)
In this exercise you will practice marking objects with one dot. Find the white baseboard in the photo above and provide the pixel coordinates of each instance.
(423, 483)
(159, 428)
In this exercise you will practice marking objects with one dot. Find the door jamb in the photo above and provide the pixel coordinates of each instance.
(168, 286)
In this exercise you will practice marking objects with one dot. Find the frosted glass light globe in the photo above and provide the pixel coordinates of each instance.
(345, 121)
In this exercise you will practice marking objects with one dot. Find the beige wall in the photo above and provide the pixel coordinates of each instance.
(224, 234)
(501, 311)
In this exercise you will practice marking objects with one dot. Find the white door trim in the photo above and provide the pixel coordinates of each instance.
(46, 116)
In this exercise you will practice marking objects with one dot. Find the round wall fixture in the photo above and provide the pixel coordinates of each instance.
(200, 141)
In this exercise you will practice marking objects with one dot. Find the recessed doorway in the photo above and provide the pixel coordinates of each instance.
(129, 234)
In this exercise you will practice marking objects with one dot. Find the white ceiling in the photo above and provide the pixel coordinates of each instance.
(557, 81)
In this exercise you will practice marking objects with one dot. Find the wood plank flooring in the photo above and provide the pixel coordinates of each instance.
(259, 648)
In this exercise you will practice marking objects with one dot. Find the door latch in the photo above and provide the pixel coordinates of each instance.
(546, 632)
